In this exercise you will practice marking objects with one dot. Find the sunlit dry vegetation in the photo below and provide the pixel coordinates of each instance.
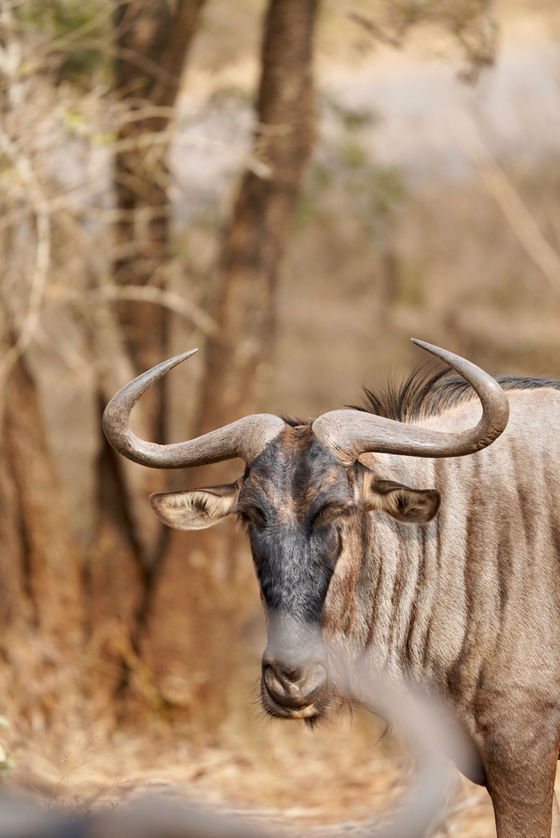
(422, 200)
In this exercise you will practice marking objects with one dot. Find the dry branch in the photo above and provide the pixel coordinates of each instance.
(149, 294)
(501, 188)
(40, 207)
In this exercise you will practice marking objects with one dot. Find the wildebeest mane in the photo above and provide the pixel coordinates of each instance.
(427, 393)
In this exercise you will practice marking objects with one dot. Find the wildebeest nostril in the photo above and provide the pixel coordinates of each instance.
(292, 675)
(294, 687)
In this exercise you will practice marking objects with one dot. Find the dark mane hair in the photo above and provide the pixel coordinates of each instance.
(428, 393)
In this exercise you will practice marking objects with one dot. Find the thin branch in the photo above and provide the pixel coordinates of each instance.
(508, 199)
(74, 34)
(41, 209)
(148, 294)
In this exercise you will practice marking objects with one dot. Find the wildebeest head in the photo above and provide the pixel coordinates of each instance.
(302, 491)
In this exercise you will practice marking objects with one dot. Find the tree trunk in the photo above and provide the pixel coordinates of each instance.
(152, 41)
(256, 238)
(41, 602)
(203, 590)
(58, 600)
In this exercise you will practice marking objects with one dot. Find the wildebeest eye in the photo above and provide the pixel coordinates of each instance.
(251, 515)
(329, 513)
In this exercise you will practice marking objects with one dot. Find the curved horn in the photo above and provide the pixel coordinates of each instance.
(245, 438)
(349, 433)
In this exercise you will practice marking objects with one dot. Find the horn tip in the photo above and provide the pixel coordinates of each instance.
(421, 343)
(432, 348)
(178, 359)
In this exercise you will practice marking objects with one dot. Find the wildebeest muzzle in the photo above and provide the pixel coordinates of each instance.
(294, 682)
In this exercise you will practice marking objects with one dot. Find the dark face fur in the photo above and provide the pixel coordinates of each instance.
(295, 500)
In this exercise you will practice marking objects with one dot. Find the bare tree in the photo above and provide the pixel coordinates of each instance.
(40, 580)
(124, 590)
(469, 23)
(235, 356)
(257, 235)
(60, 591)
(152, 42)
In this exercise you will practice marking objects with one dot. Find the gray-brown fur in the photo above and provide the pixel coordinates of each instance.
(477, 616)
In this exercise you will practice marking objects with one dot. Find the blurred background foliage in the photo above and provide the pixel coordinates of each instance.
(77, 37)
(421, 169)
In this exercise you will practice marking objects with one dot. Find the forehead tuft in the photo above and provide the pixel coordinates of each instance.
(293, 470)
(294, 451)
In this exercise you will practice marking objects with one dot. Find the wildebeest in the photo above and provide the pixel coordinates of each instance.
(415, 533)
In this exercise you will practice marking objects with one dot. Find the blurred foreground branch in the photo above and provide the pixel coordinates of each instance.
(419, 720)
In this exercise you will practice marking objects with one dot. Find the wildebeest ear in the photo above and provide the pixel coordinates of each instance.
(195, 510)
(411, 506)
